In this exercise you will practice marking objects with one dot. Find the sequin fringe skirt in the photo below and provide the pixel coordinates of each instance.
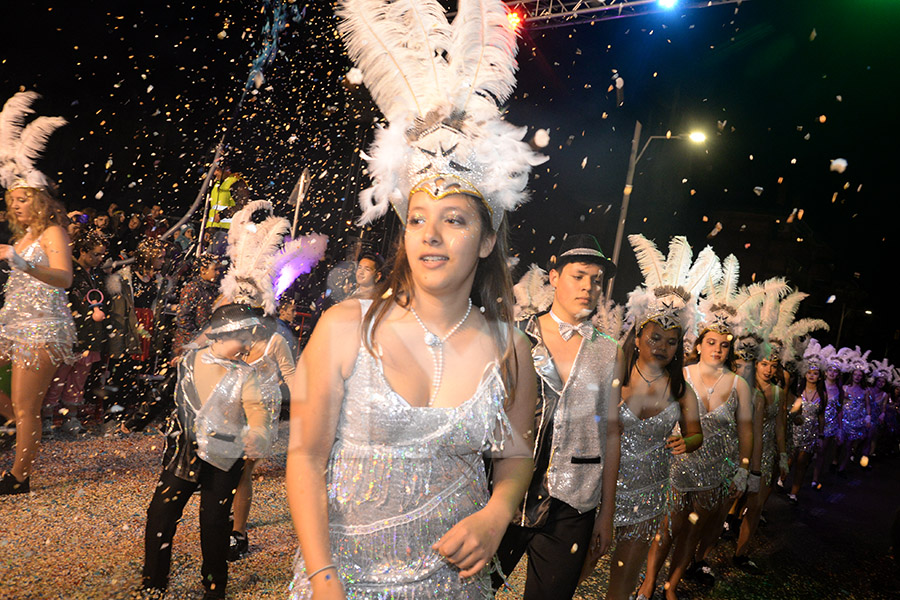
(25, 355)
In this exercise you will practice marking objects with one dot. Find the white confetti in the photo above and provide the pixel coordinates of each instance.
(839, 165)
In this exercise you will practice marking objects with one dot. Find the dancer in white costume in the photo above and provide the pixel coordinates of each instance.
(396, 400)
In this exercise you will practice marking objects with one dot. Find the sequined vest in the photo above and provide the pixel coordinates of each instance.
(571, 424)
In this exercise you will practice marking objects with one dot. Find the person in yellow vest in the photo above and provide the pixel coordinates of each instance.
(229, 194)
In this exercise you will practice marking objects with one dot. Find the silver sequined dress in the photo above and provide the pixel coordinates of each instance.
(853, 423)
(35, 317)
(642, 489)
(769, 445)
(832, 410)
(806, 435)
(703, 476)
(398, 479)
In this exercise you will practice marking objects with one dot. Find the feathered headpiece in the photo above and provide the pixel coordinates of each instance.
(815, 356)
(21, 145)
(439, 86)
(671, 285)
(853, 359)
(881, 368)
(720, 309)
(262, 266)
(775, 322)
(533, 293)
(609, 318)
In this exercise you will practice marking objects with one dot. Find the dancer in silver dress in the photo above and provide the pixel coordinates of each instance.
(855, 412)
(655, 399)
(704, 480)
(774, 322)
(831, 433)
(396, 400)
(811, 394)
(37, 331)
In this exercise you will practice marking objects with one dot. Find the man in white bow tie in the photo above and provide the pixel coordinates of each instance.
(566, 519)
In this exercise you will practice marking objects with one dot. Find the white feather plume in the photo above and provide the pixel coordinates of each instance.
(483, 56)
(533, 293)
(12, 121)
(649, 259)
(731, 271)
(398, 46)
(678, 261)
(699, 271)
(34, 138)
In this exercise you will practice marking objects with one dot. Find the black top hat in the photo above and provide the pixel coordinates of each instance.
(584, 248)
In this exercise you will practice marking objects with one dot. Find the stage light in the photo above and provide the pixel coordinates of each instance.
(698, 137)
(668, 3)
(514, 20)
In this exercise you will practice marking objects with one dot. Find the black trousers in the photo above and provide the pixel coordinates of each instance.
(172, 493)
(556, 552)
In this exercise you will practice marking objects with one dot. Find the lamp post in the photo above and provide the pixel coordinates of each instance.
(695, 137)
(844, 312)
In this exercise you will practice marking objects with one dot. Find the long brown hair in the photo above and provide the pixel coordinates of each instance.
(45, 210)
(491, 290)
(675, 368)
(693, 356)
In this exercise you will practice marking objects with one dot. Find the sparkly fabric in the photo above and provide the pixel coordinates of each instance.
(270, 375)
(706, 473)
(769, 449)
(642, 490)
(832, 409)
(399, 478)
(571, 423)
(853, 423)
(36, 317)
(806, 435)
(211, 429)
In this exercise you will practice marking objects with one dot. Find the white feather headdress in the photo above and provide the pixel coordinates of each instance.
(774, 321)
(440, 87)
(671, 286)
(881, 368)
(854, 359)
(262, 265)
(533, 293)
(720, 305)
(21, 145)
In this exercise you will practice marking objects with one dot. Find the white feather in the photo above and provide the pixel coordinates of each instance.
(700, 271)
(649, 259)
(731, 271)
(678, 261)
(12, 121)
(33, 140)
(482, 55)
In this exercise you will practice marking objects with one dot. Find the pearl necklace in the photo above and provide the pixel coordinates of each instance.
(436, 347)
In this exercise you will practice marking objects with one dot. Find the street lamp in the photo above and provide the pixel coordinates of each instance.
(696, 137)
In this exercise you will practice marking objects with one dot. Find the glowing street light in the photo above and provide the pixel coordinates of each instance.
(668, 3)
(697, 137)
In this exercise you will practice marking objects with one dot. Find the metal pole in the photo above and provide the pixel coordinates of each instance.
(301, 187)
(626, 196)
(837, 342)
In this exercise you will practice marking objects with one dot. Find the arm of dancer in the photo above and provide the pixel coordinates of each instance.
(55, 243)
(472, 543)
(258, 439)
(749, 431)
(317, 392)
(692, 432)
(281, 351)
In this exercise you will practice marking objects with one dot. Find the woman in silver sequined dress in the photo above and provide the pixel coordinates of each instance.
(769, 456)
(855, 417)
(705, 482)
(811, 395)
(386, 478)
(831, 433)
(36, 327)
(654, 399)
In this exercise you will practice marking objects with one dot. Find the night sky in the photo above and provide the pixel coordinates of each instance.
(781, 88)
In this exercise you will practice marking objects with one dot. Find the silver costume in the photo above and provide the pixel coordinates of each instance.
(35, 317)
(571, 425)
(399, 477)
(769, 446)
(703, 476)
(853, 423)
(642, 490)
(832, 410)
(806, 435)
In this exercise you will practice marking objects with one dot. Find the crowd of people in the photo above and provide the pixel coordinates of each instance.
(435, 439)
